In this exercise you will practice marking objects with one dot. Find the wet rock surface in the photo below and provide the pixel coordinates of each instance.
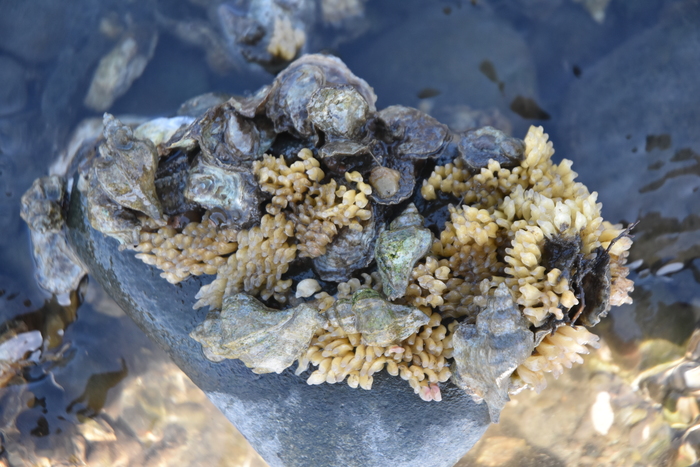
(280, 414)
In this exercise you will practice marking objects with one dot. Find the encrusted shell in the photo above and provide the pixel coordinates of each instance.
(42, 204)
(108, 217)
(338, 111)
(295, 86)
(406, 171)
(226, 137)
(266, 340)
(399, 248)
(477, 147)
(380, 322)
(230, 189)
(126, 171)
(487, 353)
(350, 250)
(58, 269)
(417, 135)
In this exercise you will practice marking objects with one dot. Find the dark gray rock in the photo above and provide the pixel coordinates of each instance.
(287, 421)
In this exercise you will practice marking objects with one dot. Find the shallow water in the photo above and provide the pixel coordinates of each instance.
(617, 96)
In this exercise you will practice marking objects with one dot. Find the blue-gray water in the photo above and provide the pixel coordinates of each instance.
(619, 97)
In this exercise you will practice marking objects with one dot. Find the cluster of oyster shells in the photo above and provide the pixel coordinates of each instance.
(200, 165)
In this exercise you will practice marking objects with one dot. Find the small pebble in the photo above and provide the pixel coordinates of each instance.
(307, 288)
(669, 268)
(602, 413)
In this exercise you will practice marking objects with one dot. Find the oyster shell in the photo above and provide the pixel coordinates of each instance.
(160, 130)
(266, 32)
(381, 322)
(266, 340)
(126, 171)
(399, 248)
(58, 269)
(226, 137)
(108, 217)
(254, 105)
(417, 135)
(350, 250)
(406, 171)
(231, 189)
(295, 86)
(197, 106)
(477, 147)
(42, 204)
(121, 67)
(338, 111)
(487, 353)
(291, 93)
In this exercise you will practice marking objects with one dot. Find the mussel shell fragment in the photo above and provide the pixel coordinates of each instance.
(266, 340)
(477, 147)
(171, 181)
(596, 289)
(487, 353)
